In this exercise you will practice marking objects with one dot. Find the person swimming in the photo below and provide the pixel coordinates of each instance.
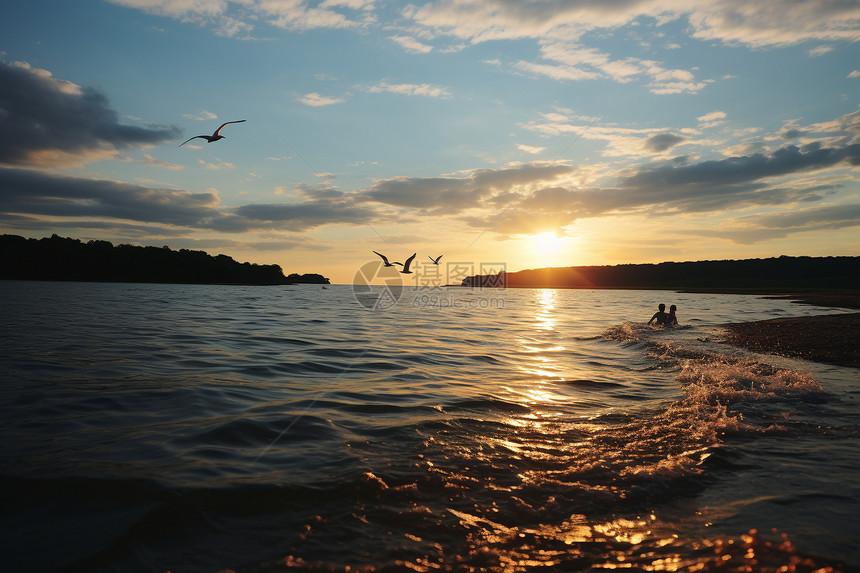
(671, 319)
(660, 316)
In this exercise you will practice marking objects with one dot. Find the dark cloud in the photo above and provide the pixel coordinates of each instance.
(28, 196)
(451, 195)
(663, 141)
(289, 243)
(733, 182)
(90, 227)
(744, 169)
(677, 187)
(791, 133)
(26, 192)
(751, 230)
(438, 195)
(535, 198)
(307, 215)
(824, 217)
(44, 120)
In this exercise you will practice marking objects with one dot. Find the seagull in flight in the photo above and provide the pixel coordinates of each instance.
(214, 137)
(385, 262)
(436, 260)
(406, 270)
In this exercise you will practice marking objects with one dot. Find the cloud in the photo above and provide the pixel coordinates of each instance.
(538, 197)
(217, 165)
(663, 142)
(306, 215)
(721, 175)
(235, 18)
(712, 119)
(436, 195)
(115, 227)
(824, 217)
(854, 74)
(706, 187)
(316, 100)
(150, 160)
(28, 196)
(620, 141)
(664, 81)
(776, 23)
(410, 44)
(820, 51)
(47, 121)
(574, 61)
(481, 21)
(749, 230)
(31, 193)
(202, 116)
(425, 90)
(557, 72)
(530, 149)
(289, 242)
(760, 24)
(452, 195)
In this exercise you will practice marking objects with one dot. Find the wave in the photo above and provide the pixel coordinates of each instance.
(591, 384)
(273, 443)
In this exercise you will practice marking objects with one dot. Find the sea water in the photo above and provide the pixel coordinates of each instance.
(195, 428)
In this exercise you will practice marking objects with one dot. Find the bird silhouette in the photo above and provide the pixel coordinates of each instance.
(214, 137)
(406, 270)
(385, 262)
(436, 260)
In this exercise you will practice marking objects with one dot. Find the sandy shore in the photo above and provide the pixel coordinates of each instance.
(832, 339)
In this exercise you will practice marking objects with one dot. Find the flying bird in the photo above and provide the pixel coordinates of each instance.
(385, 262)
(406, 270)
(436, 260)
(214, 137)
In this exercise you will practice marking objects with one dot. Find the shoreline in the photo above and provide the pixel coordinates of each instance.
(830, 339)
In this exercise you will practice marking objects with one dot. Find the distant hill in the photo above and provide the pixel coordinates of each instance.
(779, 274)
(58, 258)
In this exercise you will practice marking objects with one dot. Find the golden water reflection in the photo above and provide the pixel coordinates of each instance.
(545, 317)
(639, 544)
(539, 366)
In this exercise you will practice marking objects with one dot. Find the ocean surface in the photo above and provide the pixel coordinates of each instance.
(194, 428)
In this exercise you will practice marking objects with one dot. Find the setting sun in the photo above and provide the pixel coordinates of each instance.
(549, 244)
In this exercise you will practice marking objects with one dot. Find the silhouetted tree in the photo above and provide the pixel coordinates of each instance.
(309, 278)
(776, 274)
(58, 258)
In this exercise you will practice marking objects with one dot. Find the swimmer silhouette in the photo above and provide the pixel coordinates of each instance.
(660, 316)
(671, 319)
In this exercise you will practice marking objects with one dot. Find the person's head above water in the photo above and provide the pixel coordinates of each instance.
(661, 306)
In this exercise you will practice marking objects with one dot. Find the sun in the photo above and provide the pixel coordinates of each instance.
(548, 244)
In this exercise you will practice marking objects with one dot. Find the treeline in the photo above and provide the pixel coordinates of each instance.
(778, 274)
(58, 258)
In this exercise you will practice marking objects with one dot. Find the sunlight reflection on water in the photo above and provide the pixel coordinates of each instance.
(541, 433)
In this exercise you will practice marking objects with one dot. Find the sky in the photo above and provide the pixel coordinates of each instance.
(501, 134)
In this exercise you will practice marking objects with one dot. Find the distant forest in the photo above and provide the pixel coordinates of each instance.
(59, 258)
(776, 275)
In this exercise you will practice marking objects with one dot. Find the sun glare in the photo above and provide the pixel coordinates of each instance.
(548, 244)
